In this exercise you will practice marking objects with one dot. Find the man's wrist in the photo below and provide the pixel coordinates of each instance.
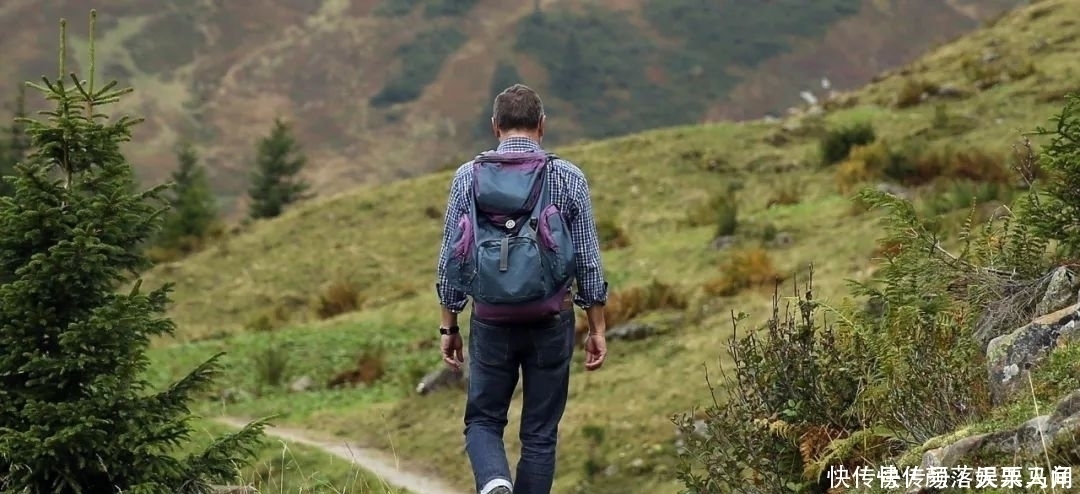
(446, 330)
(448, 318)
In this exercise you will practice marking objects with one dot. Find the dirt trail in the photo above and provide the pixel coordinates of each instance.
(377, 462)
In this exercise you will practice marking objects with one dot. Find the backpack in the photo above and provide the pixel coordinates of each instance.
(512, 253)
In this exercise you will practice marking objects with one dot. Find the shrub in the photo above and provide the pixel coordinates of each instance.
(611, 235)
(1056, 209)
(808, 394)
(835, 144)
(784, 194)
(370, 367)
(912, 93)
(742, 269)
(915, 163)
(966, 164)
(998, 68)
(337, 298)
(269, 320)
(271, 364)
(864, 163)
(721, 210)
(625, 305)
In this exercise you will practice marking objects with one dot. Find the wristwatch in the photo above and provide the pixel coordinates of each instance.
(452, 330)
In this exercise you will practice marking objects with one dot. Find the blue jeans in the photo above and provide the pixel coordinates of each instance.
(542, 351)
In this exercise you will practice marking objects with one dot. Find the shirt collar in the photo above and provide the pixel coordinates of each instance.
(517, 145)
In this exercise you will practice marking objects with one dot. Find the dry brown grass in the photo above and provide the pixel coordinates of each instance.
(612, 236)
(337, 298)
(912, 93)
(370, 367)
(743, 269)
(915, 165)
(784, 194)
(625, 305)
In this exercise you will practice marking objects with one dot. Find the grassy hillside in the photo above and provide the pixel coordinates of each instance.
(342, 289)
(363, 78)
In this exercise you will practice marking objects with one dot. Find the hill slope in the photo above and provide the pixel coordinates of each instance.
(664, 190)
(382, 89)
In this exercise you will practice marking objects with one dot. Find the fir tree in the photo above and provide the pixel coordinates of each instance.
(275, 183)
(76, 414)
(1055, 211)
(193, 206)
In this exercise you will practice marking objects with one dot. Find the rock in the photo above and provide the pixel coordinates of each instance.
(630, 331)
(1060, 292)
(1029, 439)
(723, 242)
(304, 383)
(637, 464)
(893, 189)
(1011, 353)
(443, 377)
(950, 91)
(782, 239)
(611, 471)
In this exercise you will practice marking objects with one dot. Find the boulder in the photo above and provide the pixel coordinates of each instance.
(1009, 354)
(1029, 440)
(630, 331)
(1061, 291)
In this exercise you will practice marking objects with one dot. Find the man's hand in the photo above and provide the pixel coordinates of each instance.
(452, 350)
(595, 351)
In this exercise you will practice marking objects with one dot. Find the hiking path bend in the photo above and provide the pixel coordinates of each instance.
(374, 461)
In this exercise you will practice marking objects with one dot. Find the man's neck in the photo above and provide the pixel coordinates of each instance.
(532, 137)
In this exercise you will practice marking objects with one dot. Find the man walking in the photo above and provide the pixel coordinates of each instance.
(518, 231)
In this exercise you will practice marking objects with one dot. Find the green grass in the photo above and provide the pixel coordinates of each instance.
(384, 240)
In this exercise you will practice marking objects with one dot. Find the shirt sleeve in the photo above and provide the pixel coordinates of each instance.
(592, 288)
(452, 299)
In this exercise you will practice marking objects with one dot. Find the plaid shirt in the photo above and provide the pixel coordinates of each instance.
(569, 191)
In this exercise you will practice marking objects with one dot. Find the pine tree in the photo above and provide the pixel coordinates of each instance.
(193, 209)
(13, 149)
(1054, 213)
(275, 183)
(76, 414)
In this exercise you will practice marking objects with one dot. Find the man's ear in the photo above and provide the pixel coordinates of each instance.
(540, 128)
(494, 128)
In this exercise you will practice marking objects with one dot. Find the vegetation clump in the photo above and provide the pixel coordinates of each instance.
(814, 390)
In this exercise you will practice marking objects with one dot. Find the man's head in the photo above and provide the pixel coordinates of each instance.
(518, 111)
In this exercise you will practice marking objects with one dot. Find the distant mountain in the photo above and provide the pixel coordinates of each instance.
(383, 89)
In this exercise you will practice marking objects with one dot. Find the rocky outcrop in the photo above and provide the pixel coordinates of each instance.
(1061, 291)
(1008, 355)
(1046, 434)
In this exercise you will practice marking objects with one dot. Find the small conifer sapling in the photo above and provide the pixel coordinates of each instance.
(76, 413)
